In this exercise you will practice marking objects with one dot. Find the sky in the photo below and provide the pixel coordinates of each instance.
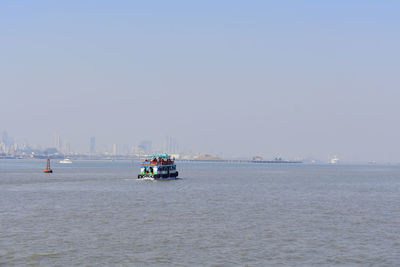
(234, 78)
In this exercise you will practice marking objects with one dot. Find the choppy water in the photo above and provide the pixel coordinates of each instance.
(97, 213)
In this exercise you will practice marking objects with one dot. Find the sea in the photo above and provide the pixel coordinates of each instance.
(97, 213)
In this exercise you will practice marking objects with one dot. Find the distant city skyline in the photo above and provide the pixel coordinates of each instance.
(169, 145)
(144, 147)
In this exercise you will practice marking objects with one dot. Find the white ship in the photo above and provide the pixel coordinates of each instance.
(334, 160)
(65, 161)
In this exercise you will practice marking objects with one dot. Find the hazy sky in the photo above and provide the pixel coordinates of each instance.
(289, 78)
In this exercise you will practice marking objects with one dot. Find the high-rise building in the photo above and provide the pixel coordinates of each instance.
(171, 145)
(115, 150)
(4, 138)
(146, 147)
(58, 143)
(67, 147)
(92, 148)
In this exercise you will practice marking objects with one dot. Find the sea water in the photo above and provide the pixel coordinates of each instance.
(96, 213)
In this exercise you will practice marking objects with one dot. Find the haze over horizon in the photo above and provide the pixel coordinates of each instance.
(246, 78)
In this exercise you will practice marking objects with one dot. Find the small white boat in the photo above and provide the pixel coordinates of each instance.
(334, 160)
(65, 161)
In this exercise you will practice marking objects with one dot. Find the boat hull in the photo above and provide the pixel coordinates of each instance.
(170, 176)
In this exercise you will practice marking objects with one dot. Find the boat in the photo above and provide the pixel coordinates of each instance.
(48, 169)
(334, 160)
(158, 167)
(65, 161)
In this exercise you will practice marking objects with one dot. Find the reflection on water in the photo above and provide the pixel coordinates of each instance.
(97, 213)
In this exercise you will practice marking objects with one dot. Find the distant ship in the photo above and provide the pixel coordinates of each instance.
(334, 160)
(65, 161)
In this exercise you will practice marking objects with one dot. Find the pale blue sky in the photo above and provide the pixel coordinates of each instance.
(289, 78)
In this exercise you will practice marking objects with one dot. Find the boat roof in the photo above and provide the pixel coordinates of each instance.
(159, 156)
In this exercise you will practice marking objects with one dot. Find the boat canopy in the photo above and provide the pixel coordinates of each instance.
(162, 156)
(161, 159)
(158, 156)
